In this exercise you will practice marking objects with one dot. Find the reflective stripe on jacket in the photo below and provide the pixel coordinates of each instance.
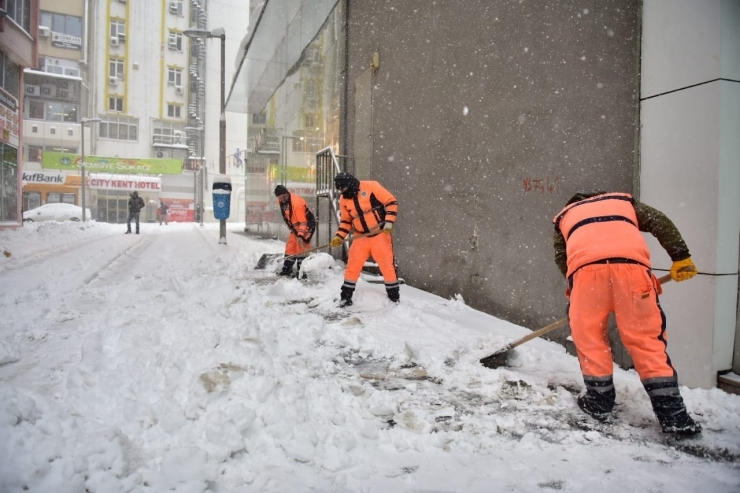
(601, 227)
(368, 210)
(298, 217)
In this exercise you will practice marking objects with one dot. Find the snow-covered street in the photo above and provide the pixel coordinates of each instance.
(165, 362)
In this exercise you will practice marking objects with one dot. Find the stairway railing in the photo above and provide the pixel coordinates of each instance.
(327, 167)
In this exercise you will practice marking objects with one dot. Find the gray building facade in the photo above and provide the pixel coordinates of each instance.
(482, 117)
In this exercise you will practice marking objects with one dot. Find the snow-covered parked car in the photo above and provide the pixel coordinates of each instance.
(55, 212)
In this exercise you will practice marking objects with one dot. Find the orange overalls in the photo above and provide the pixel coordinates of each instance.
(300, 221)
(609, 271)
(367, 212)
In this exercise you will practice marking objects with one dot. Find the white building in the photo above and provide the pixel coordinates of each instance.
(157, 94)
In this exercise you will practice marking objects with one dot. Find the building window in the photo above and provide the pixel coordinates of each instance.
(174, 77)
(61, 23)
(176, 7)
(10, 74)
(115, 68)
(259, 118)
(119, 128)
(56, 111)
(310, 122)
(34, 153)
(174, 41)
(9, 183)
(173, 110)
(167, 133)
(117, 28)
(115, 103)
(20, 12)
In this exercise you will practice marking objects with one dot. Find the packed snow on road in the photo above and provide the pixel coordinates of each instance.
(165, 362)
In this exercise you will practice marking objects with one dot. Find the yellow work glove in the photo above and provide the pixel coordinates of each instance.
(388, 228)
(336, 241)
(683, 269)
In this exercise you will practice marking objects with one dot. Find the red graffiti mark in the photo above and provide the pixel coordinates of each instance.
(542, 185)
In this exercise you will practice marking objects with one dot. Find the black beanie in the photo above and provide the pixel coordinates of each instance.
(279, 190)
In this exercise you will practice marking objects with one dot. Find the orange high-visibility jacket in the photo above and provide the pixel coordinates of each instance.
(368, 211)
(599, 228)
(298, 217)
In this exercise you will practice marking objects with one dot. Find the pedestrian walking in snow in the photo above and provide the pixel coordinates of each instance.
(367, 208)
(301, 222)
(599, 249)
(135, 204)
(163, 208)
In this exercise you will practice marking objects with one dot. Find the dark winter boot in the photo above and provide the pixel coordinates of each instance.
(669, 407)
(298, 274)
(287, 268)
(348, 289)
(393, 291)
(598, 400)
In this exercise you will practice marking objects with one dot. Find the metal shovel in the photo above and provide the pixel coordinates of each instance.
(501, 357)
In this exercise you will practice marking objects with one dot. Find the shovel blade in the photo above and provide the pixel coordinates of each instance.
(496, 360)
(267, 259)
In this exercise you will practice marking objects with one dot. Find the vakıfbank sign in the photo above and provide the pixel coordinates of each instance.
(153, 166)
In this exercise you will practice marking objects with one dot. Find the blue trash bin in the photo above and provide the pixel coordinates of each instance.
(221, 197)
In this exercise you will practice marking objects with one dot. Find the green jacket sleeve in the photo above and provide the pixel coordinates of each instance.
(561, 257)
(657, 224)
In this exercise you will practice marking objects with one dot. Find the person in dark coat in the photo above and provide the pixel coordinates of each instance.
(163, 208)
(135, 204)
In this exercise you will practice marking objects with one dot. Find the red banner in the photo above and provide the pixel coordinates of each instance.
(180, 210)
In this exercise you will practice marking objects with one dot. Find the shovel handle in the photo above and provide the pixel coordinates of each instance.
(354, 237)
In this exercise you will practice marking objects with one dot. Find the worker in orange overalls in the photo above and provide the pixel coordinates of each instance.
(367, 208)
(301, 223)
(600, 250)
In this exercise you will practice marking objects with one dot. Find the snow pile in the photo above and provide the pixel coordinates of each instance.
(165, 362)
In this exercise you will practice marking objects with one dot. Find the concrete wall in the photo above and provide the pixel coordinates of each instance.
(690, 150)
(486, 118)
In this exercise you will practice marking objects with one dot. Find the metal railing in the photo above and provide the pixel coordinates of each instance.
(327, 167)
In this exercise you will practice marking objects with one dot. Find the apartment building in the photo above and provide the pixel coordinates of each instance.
(18, 31)
(54, 103)
(121, 83)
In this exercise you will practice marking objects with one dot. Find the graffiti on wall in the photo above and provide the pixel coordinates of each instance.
(550, 185)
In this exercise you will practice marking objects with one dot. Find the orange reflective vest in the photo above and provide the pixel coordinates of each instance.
(600, 228)
(298, 217)
(368, 210)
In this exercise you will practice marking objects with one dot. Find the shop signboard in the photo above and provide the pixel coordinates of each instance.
(107, 181)
(61, 40)
(47, 177)
(149, 166)
(180, 210)
(9, 119)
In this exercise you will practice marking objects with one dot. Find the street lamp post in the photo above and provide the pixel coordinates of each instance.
(198, 174)
(83, 122)
(195, 32)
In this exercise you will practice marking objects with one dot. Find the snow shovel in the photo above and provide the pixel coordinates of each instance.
(268, 258)
(501, 357)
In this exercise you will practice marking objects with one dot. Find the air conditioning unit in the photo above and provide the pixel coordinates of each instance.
(113, 81)
(44, 31)
(121, 37)
(173, 8)
(114, 41)
(172, 43)
(48, 90)
(179, 90)
(33, 90)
